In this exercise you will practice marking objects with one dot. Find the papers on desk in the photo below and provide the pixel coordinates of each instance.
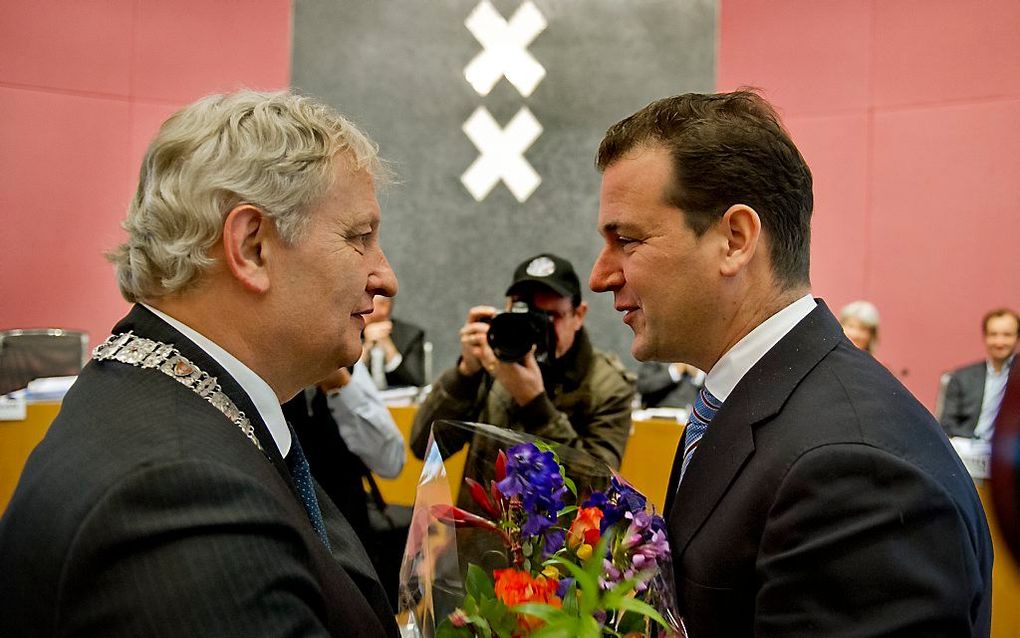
(663, 414)
(13, 406)
(407, 395)
(976, 455)
(49, 388)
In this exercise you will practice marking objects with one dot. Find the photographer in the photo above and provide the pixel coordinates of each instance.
(560, 388)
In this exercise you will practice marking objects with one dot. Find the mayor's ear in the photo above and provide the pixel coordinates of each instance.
(741, 229)
(246, 232)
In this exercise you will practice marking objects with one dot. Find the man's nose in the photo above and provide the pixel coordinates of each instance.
(383, 281)
(604, 274)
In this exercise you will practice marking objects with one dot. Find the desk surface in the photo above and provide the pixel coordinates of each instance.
(646, 464)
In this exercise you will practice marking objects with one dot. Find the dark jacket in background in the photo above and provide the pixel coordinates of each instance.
(586, 404)
(409, 340)
(658, 389)
(961, 403)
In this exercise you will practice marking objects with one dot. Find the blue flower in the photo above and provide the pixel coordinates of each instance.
(554, 540)
(534, 477)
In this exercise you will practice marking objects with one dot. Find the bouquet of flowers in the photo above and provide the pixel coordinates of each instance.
(527, 551)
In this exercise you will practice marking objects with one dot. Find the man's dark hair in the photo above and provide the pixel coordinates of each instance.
(995, 314)
(728, 148)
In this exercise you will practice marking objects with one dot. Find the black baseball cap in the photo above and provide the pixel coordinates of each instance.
(548, 270)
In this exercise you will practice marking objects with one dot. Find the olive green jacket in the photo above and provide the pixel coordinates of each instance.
(586, 404)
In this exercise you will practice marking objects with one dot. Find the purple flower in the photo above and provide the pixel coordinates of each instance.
(563, 587)
(554, 540)
(627, 498)
(533, 476)
(596, 499)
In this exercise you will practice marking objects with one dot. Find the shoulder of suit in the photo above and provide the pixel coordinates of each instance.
(973, 368)
(614, 363)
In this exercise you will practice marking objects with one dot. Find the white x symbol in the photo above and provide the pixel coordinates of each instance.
(502, 154)
(504, 50)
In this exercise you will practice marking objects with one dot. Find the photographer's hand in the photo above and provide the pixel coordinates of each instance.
(522, 380)
(475, 352)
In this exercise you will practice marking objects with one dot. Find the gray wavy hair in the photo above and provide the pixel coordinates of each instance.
(276, 151)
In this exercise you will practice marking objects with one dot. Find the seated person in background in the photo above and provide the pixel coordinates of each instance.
(860, 324)
(668, 385)
(973, 393)
(580, 397)
(346, 432)
(394, 350)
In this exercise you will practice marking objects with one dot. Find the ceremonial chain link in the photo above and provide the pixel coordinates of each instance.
(146, 353)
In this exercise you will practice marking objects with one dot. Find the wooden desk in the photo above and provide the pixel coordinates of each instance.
(646, 464)
(17, 440)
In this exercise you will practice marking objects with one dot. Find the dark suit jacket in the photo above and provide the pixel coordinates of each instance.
(961, 403)
(337, 470)
(145, 512)
(824, 500)
(410, 342)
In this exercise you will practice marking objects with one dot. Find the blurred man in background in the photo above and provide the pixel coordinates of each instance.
(394, 350)
(974, 392)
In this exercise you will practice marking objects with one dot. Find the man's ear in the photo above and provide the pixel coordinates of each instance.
(245, 231)
(741, 228)
(580, 312)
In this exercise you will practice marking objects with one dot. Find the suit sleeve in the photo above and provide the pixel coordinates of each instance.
(952, 416)
(411, 370)
(860, 543)
(191, 548)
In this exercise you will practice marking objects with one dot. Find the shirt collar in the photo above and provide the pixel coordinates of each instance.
(736, 362)
(990, 367)
(265, 400)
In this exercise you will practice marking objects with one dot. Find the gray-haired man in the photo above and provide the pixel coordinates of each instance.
(169, 497)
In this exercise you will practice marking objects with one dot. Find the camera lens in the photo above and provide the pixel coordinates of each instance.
(512, 334)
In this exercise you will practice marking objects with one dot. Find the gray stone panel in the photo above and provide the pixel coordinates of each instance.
(396, 68)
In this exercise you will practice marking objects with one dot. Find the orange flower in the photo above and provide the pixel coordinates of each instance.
(585, 528)
(515, 587)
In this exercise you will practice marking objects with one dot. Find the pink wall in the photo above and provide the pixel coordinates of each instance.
(83, 87)
(908, 112)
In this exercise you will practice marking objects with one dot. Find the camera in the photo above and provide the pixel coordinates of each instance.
(514, 332)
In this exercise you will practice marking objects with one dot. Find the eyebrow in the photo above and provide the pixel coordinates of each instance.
(618, 228)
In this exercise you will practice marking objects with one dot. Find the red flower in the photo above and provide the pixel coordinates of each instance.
(515, 587)
(585, 528)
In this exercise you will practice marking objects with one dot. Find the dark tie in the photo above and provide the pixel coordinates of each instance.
(705, 407)
(301, 473)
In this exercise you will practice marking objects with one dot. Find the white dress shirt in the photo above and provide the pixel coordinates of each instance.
(366, 425)
(739, 359)
(995, 388)
(265, 400)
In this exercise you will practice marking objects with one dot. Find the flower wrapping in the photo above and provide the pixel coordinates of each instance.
(539, 540)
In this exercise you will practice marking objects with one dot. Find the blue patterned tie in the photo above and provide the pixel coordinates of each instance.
(301, 473)
(705, 407)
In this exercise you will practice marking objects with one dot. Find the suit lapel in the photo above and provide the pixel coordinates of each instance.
(729, 441)
(146, 324)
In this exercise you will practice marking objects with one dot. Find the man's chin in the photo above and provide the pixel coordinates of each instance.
(641, 350)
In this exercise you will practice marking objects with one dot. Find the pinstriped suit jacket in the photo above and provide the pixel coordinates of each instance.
(145, 512)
